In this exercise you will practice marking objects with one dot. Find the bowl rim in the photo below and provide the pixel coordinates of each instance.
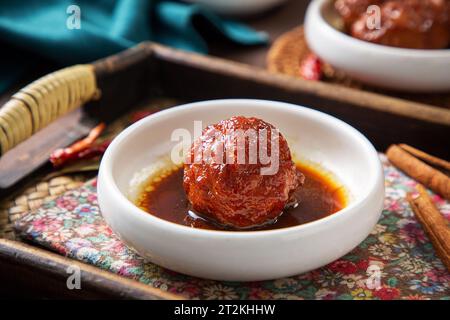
(106, 177)
(315, 10)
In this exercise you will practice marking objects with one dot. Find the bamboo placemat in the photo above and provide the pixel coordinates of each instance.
(288, 51)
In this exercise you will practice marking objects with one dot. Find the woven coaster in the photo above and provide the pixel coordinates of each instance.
(288, 51)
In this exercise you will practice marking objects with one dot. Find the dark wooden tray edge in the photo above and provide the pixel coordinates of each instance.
(48, 272)
(363, 99)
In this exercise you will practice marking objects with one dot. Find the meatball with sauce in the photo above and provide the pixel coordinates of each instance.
(414, 24)
(225, 184)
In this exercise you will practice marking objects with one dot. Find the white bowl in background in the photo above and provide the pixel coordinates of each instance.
(238, 7)
(244, 255)
(383, 66)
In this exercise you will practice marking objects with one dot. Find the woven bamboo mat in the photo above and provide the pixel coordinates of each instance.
(45, 188)
(32, 197)
(288, 51)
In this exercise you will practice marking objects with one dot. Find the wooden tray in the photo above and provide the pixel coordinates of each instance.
(149, 70)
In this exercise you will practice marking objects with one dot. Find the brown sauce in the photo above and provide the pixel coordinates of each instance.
(320, 196)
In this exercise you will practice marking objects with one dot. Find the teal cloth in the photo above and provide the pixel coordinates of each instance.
(38, 28)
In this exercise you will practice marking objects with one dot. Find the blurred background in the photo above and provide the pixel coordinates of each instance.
(41, 36)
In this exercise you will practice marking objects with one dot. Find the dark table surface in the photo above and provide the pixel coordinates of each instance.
(274, 22)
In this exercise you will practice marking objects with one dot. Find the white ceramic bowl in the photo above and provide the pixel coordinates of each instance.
(238, 7)
(383, 66)
(251, 255)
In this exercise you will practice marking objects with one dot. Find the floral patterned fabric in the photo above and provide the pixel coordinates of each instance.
(396, 261)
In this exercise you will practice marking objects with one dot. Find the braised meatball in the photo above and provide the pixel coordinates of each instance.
(415, 24)
(228, 187)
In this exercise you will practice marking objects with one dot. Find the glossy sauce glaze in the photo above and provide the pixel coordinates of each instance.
(320, 196)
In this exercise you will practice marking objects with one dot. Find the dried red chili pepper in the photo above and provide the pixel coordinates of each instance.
(93, 151)
(89, 153)
(62, 156)
(311, 68)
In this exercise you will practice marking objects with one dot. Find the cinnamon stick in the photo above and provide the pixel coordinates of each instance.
(433, 222)
(419, 170)
(435, 161)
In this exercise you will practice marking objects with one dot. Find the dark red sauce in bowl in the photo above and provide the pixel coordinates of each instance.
(320, 196)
